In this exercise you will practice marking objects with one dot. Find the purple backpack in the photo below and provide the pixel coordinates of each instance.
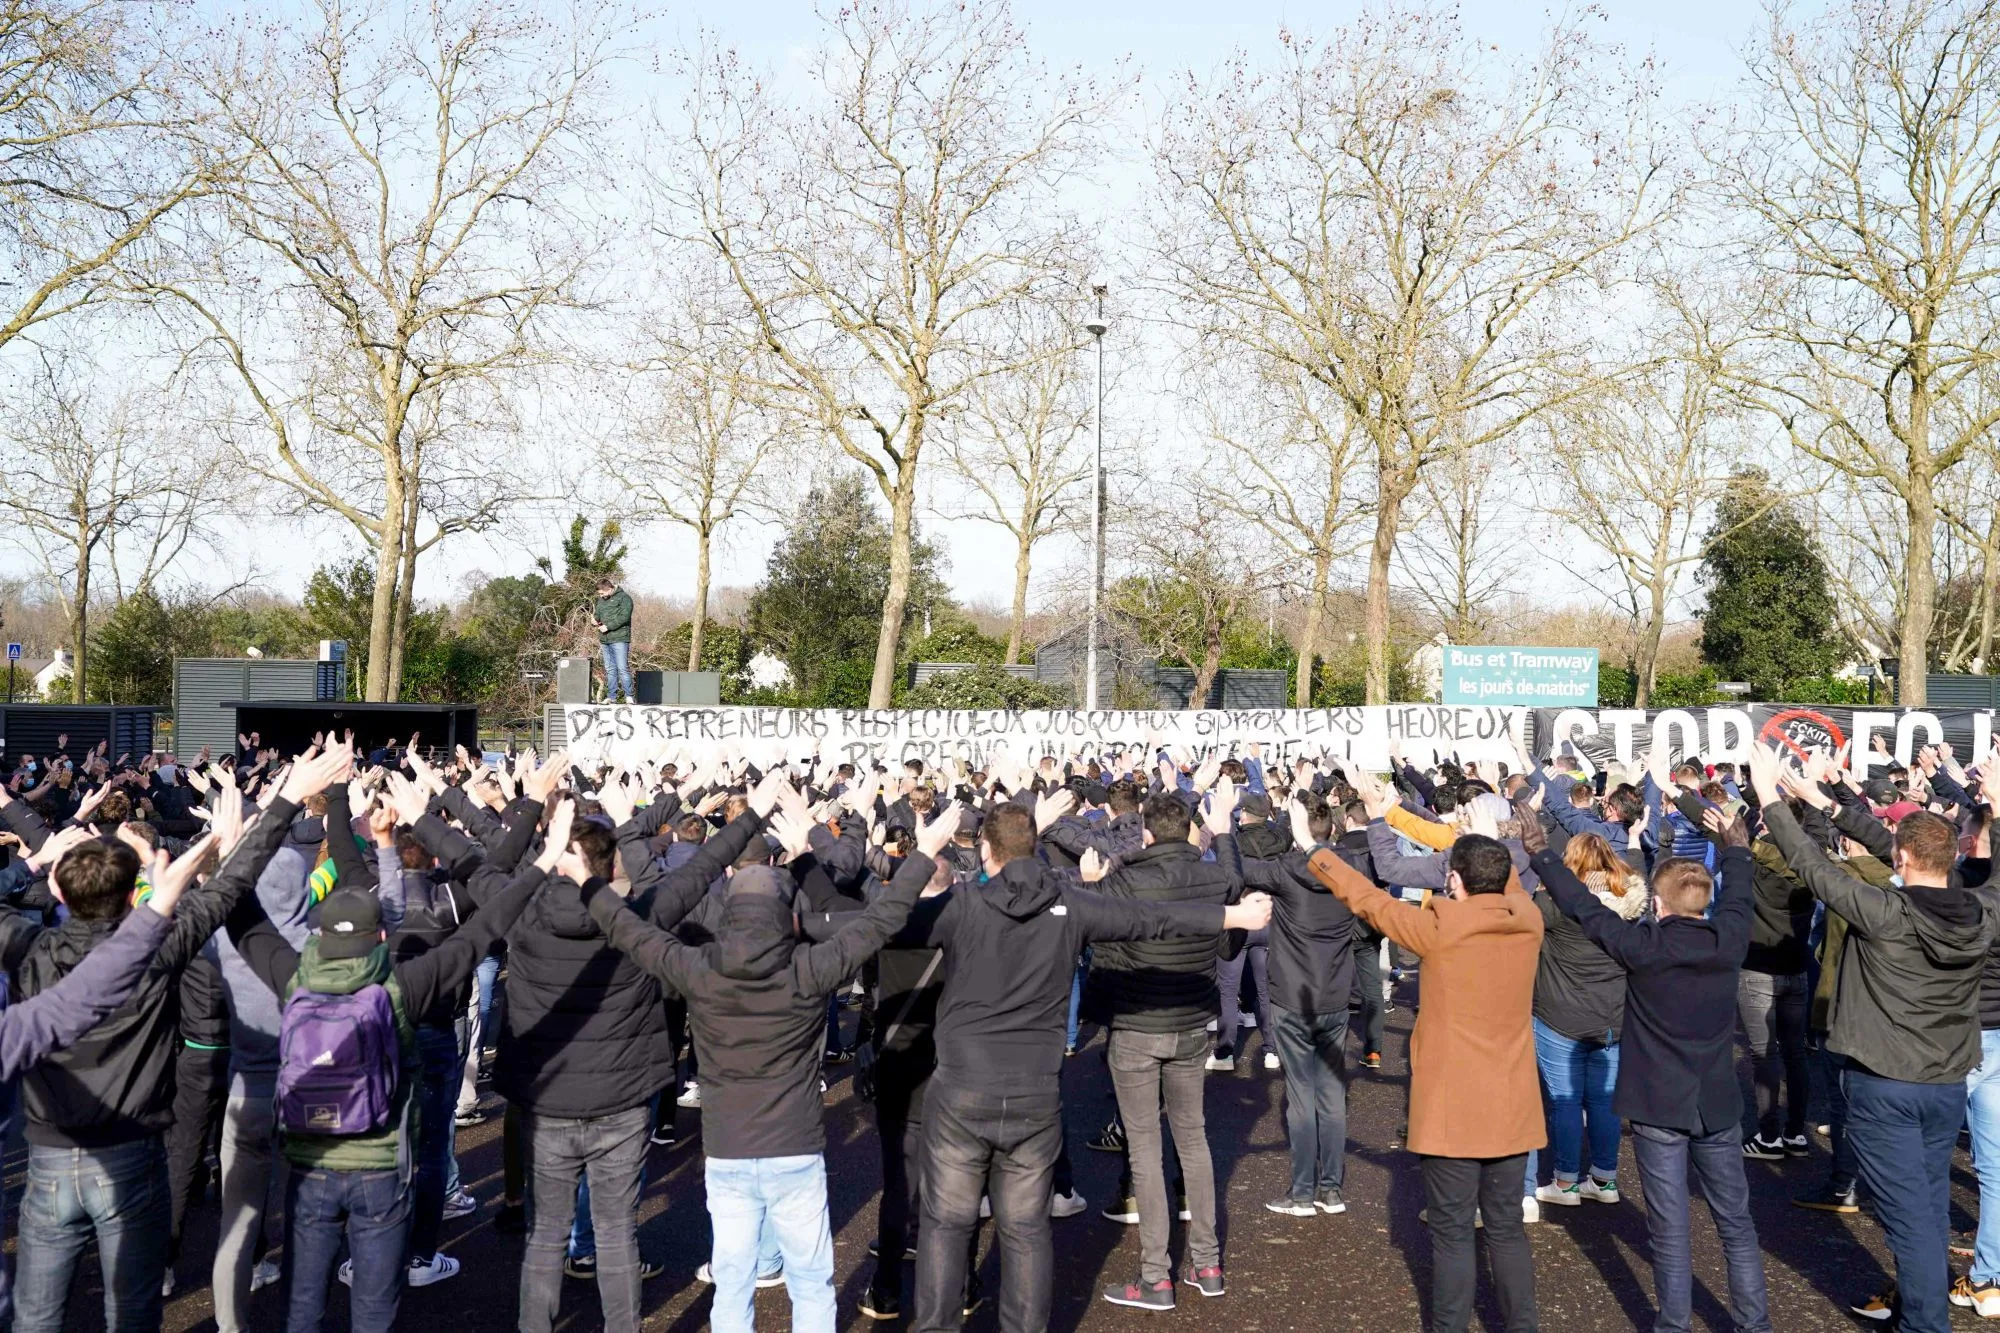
(337, 1061)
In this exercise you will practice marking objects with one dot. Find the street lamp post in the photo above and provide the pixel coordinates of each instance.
(1097, 325)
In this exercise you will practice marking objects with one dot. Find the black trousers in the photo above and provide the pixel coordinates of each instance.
(201, 1089)
(1367, 949)
(901, 1083)
(1453, 1188)
(1005, 1147)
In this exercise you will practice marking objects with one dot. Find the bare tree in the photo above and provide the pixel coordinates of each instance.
(1453, 571)
(700, 446)
(94, 486)
(1638, 461)
(94, 152)
(1022, 447)
(1869, 166)
(1380, 215)
(1297, 460)
(1192, 576)
(402, 226)
(882, 233)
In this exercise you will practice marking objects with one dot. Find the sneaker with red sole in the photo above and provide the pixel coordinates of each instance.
(1207, 1281)
(1143, 1295)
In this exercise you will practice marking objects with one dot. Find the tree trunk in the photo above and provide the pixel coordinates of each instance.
(1309, 635)
(382, 609)
(1211, 662)
(1919, 607)
(703, 537)
(1987, 575)
(1375, 619)
(902, 506)
(79, 627)
(406, 585)
(1646, 666)
(1023, 555)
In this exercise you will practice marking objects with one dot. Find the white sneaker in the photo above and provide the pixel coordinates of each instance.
(690, 1097)
(985, 1206)
(1249, 1020)
(346, 1272)
(1271, 1060)
(1223, 1064)
(167, 1284)
(265, 1274)
(1531, 1209)
(1067, 1205)
(1213, 1024)
(440, 1267)
(459, 1205)
(1598, 1191)
(1563, 1196)
(765, 1281)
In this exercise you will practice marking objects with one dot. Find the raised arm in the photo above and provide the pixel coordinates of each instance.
(1867, 909)
(1405, 923)
(1624, 942)
(1413, 872)
(1420, 829)
(824, 966)
(33, 1029)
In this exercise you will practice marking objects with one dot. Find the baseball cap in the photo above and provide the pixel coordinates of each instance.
(350, 924)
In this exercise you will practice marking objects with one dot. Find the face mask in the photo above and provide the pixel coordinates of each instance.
(167, 772)
(1896, 880)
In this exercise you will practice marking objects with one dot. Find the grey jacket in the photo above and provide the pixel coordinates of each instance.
(1906, 1000)
(253, 1008)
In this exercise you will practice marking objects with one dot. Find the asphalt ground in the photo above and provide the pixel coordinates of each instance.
(1366, 1269)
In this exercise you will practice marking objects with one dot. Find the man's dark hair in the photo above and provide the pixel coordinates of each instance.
(1355, 813)
(115, 809)
(1445, 800)
(97, 878)
(1482, 863)
(845, 771)
(1167, 818)
(756, 852)
(606, 582)
(599, 847)
(1322, 824)
(691, 828)
(1233, 770)
(1625, 802)
(1122, 797)
(411, 852)
(923, 800)
(1929, 840)
(1009, 833)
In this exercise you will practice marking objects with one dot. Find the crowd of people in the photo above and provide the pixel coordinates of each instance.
(309, 959)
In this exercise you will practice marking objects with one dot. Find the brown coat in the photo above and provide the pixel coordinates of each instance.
(1474, 1090)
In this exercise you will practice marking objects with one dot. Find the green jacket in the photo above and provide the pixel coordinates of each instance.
(615, 614)
(387, 1148)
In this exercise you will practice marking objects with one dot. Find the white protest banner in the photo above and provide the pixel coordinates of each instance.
(630, 734)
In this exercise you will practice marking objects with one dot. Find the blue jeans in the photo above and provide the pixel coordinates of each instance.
(1577, 1081)
(1314, 1050)
(120, 1194)
(370, 1210)
(1982, 1116)
(438, 1050)
(1076, 995)
(1903, 1135)
(1664, 1156)
(788, 1195)
(617, 671)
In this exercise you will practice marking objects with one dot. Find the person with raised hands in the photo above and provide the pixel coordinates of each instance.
(1907, 1020)
(756, 1000)
(98, 1110)
(349, 1076)
(1475, 1098)
(1156, 998)
(1676, 1083)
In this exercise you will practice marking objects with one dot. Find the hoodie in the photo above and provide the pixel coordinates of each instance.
(756, 998)
(1906, 1000)
(1010, 945)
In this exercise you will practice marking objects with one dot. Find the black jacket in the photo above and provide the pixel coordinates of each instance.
(1677, 1055)
(757, 1003)
(1163, 985)
(1065, 841)
(1579, 989)
(1906, 997)
(1311, 936)
(204, 1010)
(117, 1084)
(1010, 947)
(586, 1030)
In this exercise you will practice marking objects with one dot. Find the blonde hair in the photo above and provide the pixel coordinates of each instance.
(1590, 858)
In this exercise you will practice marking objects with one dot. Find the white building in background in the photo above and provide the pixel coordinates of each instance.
(1427, 667)
(768, 673)
(58, 668)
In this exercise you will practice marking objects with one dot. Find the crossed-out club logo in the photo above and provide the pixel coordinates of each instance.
(1802, 730)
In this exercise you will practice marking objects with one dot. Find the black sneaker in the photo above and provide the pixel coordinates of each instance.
(1758, 1148)
(972, 1298)
(1827, 1199)
(661, 1138)
(1111, 1140)
(1797, 1145)
(1291, 1207)
(1207, 1281)
(909, 1251)
(467, 1118)
(843, 1056)
(1124, 1210)
(882, 1305)
(1142, 1295)
(511, 1220)
(1328, 1200)
(581, 1266)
